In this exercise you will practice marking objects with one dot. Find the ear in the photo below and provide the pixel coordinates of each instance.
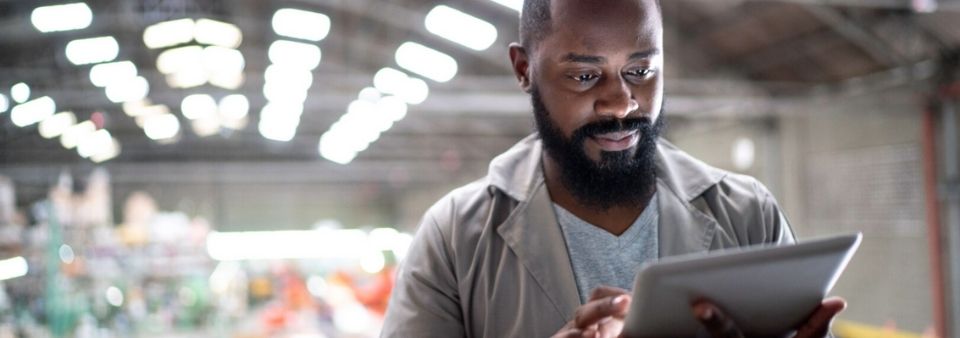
(521, 66)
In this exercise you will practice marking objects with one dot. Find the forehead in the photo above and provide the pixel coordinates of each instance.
(603, 26)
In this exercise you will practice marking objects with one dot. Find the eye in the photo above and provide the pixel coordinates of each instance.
(585, 77)
(640, 72)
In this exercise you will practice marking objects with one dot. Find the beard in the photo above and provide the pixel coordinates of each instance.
(619, 179)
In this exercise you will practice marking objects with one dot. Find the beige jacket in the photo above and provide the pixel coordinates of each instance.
(489, 259)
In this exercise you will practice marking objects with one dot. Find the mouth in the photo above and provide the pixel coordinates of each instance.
(616, 141)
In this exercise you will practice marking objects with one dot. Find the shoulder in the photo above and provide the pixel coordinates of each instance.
(742, 206)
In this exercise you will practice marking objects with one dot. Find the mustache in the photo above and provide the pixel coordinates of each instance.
(610, 126)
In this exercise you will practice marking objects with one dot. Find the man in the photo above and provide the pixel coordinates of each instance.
(547, 242)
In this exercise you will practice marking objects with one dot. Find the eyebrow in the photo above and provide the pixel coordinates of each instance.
(582, 58)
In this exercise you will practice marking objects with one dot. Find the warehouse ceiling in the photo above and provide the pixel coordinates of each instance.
(723, 57)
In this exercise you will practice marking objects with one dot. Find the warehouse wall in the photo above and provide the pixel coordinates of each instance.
(838, 166)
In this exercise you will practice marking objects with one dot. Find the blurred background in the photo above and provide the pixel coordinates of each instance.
(214, 168)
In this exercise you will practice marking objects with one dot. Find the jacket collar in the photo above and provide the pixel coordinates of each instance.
(533, 233)
(517, 171)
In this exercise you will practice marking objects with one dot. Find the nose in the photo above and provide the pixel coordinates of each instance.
(616, 100)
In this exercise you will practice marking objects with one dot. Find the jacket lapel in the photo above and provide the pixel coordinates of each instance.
(534, 235)
(681, 180)
(683, 229)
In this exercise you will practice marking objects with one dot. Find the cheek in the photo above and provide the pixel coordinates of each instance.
(568, 111)
(649, 97)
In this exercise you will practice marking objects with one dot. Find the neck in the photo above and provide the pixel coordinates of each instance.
(614, 220)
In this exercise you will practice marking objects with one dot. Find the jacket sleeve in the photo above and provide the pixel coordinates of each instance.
(425, 300)
(773, 218)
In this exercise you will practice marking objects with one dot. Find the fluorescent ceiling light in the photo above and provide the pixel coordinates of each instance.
(55, 125)
(389, 80)
(130, 89)
(168, 33)
(92, 50)
(192, 76)
(415, 92)
(222, 60)
(206, 126)
(104, 74)
(333, 150)
(230, 81)
(198, 106)
(301, 24)
(33, 111)
(13, 268)
(173, 60)
(20, 92)
(61, 17)
(391, 108)
(72, 136)
(277, 91)
(161, 127)
(110, 151)
(370, 94)
(277, 129)
(289, 77)
(4, 103)
(279, 120)
(516, 5)
(212, 32)
(234, 106)
(294, 54)
(392, 81)
(97, 142)
(460, 27)
(430, 63)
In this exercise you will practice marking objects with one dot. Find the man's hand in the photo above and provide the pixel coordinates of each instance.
(601, 317)
(721, 326)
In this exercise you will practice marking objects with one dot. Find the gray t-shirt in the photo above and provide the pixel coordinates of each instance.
(601, 258)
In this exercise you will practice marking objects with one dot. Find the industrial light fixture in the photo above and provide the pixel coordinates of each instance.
(72, 136)
(427, 62)
(55, 125)
(130, 89)
(212, 32)
(4, 103)
(392, 81)
(198, 106)
(301, 24)
(102, 75)
(161, 127)
(460, 27)
(168, 33)
(59, 18)
(33, 111)
(235, 106)
(92, 50)
(13, 267)
(20, 92)
(107, 152)
(294, 54)
(279, 120)
(97, 142)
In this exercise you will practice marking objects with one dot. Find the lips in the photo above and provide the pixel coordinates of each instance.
(616, 141)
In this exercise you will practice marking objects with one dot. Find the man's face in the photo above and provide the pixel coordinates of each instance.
(597, 92)
(602, 61)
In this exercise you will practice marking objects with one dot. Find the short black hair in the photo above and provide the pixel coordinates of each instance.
(535, 22)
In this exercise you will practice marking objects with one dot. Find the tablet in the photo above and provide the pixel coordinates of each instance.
(767, 290)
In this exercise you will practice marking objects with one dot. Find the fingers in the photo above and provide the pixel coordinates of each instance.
(607, 291)
(597, 310)
(577, 333)
(717, 323)
(818, 325)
